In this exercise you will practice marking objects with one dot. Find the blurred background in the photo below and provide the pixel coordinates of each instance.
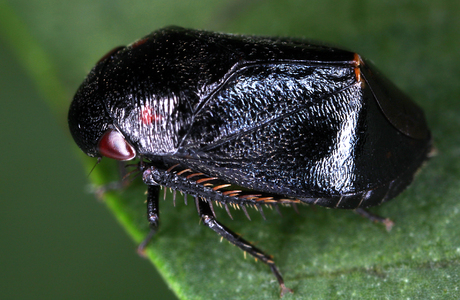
(57, 240)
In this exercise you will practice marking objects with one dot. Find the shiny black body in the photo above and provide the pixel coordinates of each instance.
(279, 120)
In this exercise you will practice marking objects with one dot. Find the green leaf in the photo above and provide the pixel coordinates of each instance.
(323, 254)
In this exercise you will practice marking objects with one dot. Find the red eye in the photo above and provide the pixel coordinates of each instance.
(113, 145)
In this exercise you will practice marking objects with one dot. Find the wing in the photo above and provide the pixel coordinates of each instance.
(301, 130)
(284, 128)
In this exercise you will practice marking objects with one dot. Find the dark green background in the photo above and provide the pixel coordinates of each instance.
(59, 242)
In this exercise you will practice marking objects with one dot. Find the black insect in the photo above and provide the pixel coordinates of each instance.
(246, 121)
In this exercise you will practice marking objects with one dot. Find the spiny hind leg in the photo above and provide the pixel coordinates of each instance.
(207, 216)
(375, 218)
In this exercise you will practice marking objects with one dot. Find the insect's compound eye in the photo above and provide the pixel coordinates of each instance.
(113, 145)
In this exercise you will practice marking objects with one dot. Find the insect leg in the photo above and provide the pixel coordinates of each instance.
(153, 215)
(208, 219)
(375, 218)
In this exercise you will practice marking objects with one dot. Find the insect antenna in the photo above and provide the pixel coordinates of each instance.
(97, 162)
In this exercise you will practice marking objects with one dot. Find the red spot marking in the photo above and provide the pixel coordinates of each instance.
(147, 116)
